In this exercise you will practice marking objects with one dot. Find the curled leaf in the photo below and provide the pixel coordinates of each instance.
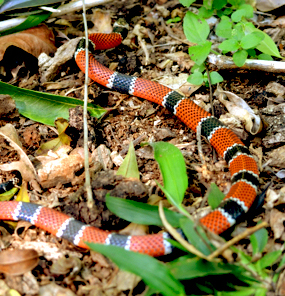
(241, 110)
(34, 41)
(17, 262)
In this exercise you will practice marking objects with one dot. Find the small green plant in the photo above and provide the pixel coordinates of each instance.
(240, 37)
(188, 274)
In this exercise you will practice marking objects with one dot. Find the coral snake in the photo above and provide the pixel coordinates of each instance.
(243, 168)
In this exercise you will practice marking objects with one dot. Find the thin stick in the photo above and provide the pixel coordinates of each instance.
(233, 241)
(90, 201)
(176, 235)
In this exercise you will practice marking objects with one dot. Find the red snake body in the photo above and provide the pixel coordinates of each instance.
(243, 168)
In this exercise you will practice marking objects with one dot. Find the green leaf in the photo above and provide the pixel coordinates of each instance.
(154, 273)
(238, 32)
(251, 40)
(189, 268)
(239, 57)
(196, 78)
(259, 240)
(267, 45)
(205, 13)
(31, 21)
(219, 4)
(13, 4)
(251, 52)
(268, 259)
(173, 169)
(215, 77)
(129, 167)
(195, 28)
(198, 68)
(229, 45)
(174, 20)
(215, 196)
(140, 213)
(199, 53)
(244, 11)
(224, 27)
(196, 236)
(29, 103)
(264, 56)
(186, 3)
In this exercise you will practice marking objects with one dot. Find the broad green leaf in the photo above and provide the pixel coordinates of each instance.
(153, 272)
(268, 259)
(173, 169)
(29, 103)
(251, 40)
(264, 56)
(238, 32)
(190, 268)
(199, 53)
(239, 57)
(16, 4)
(198, 68)
(215, 196)
(196, 236)
(215, 77)
(219, 4)
(224, 27)
(195, 28)
(251, 52)
(140, 213)
(244, 11)
(186, 3)
(208, 4)
(229, 45)
(129, 167)
(31, 21)
(205, 13)
(267, 45)
(196, 78)
(259, 240)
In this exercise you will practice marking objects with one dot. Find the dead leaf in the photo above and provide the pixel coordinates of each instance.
(102, 22)
(34, 41)
(59, 167)
(134, 229)
(17, 262)
(277, 219)
(66, 265)
(24, 166)
(240, 109)
(62, 139)
(55, 290)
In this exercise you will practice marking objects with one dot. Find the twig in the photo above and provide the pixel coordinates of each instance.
(90, 201)
(176, 235)
(233, 241)
(211, 92)
(224, 62)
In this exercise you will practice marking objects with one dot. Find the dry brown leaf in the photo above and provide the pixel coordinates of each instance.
(24, 166)
(277, 219)
(34, 41)
(59, 167)
(17, 262)
(240, 109)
